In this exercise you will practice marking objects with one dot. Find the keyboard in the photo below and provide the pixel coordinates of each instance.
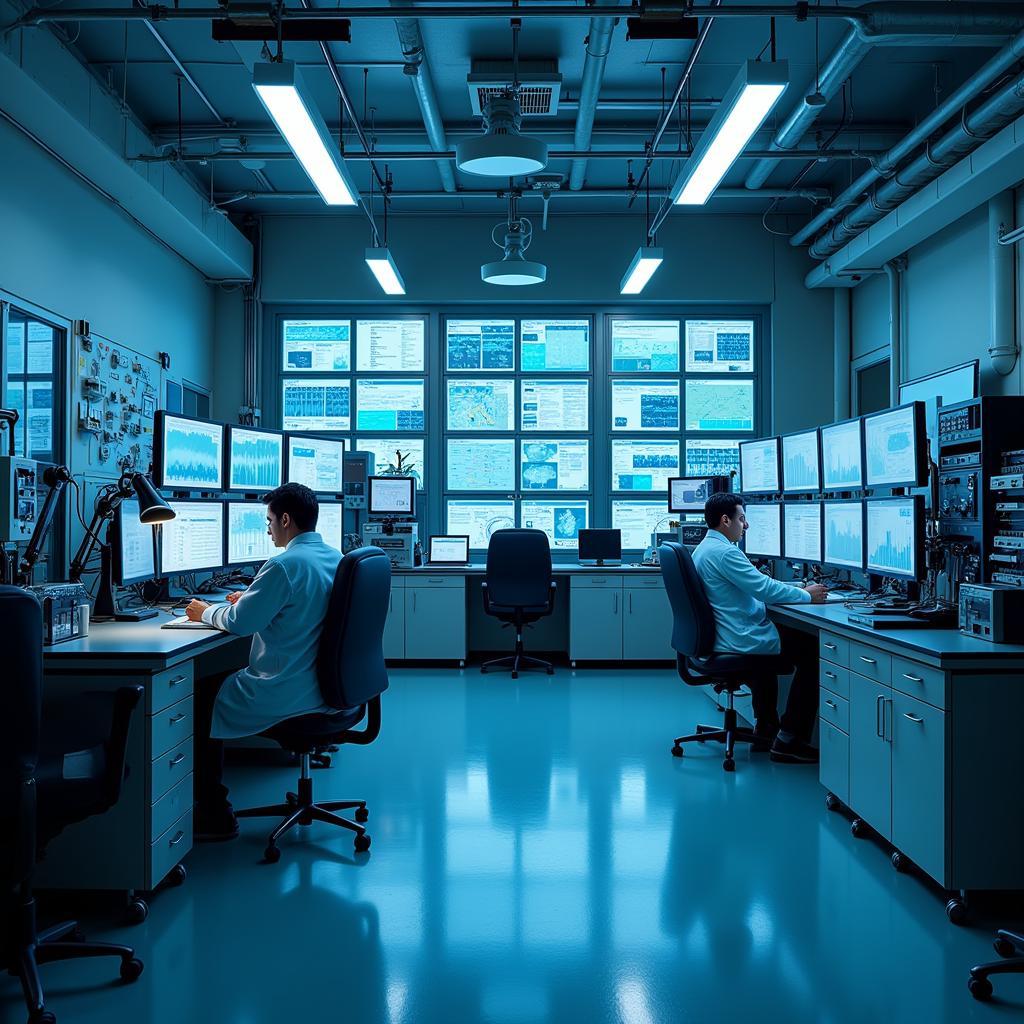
(832, 597)
(183, 623)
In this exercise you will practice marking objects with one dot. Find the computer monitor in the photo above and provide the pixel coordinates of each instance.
(188, 453)
(132, 546)
(843, 534)
(600, 546)
(894, 532)
(801, 462)
(247, 540)
(759, 466)
(842, 456)
(895, 447)
(690, 493)
(802, 531)
(763, 538)
(449, 550)
(317, 462)
(330, 524)
(392, 496)
(255, 459)
(194, 540)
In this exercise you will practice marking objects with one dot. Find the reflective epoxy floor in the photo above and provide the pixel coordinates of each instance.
(538, 856)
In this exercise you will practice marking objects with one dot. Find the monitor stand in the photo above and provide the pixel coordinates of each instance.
(105, 607)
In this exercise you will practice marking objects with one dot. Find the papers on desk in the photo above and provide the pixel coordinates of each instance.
(183, 623)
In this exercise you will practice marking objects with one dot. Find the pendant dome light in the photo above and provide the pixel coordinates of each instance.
(513, 268)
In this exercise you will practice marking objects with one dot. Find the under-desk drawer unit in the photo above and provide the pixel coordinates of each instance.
(443, 580)
(170, 686)
(170, 807)
(170, 848)
(834, 709)
(170, 727)
(834, 678)
(834, 648)
(602, 581)
(870, 662)
(920, 681)
(169, 769)
(834, 767)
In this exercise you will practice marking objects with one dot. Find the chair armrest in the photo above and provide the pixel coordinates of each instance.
(372, 730)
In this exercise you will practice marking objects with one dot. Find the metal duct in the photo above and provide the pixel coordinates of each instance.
(995, 113)
(418, 72)
(599, 43)
(1003, 348)
(886, 164)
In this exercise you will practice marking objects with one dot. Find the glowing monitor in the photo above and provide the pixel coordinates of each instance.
(844, 534)
(801, 463)
(894, 536)
(561, 521)
(189, 453)
(194, 540)
(248, 540)
(842, 467)
(329, 523)
(449, 550)
(759, 466)
(255, 459)
(690, 494)
(480, 520)
(803, 531)
(895, 447)
(763, 538)
(133, 546)
(316, 462)
(392, 496)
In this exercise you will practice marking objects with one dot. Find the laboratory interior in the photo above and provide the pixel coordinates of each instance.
(511, 511)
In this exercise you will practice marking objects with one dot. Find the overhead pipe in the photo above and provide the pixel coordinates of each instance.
(418, 72)
(886, 165)
(1003, 348)
(599, 44)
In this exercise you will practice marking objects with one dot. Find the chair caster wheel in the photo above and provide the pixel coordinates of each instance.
(131, 969)
(138, 911)
(831, 802)
(177, 875)
(899, 862)
(729, 764)
(858, 828)
(271, 855)
(956, 911)
(291, 799)
(1004, 947)
(43, 1017)
(362, 815)
(677, 751)
(362, 843)
(980, 988)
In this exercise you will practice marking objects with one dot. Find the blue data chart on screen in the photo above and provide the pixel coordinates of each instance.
(192, 454)
(720, 405)
(480, 405)
(645, 346)
(316, 405)
(712, 456)
(800, 462)
(890, 537)
(561, 521)
(476, 464)
(316, 346)
(890, 444)
(844, 534)
(720, 346)
(650, 405)
(248, 540)
(558, 345)
(255, 460)
(644, 465)
(390, 405)
(764, 531)
(841, 457)
(553, 465)
(481, 344)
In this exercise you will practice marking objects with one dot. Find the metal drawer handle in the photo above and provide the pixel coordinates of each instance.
(913, 679)
(615, 598)
(631, 602)
(175, 761)
(878, 716)
(830, 647)
(832, 705)
(867, 661)
(831, 675)
(912, 718)
(436, 579)
(175, 719)
(176, 680)
(177, 839)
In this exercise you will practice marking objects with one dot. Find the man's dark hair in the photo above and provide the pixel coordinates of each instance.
(298, 501)
(719, 505)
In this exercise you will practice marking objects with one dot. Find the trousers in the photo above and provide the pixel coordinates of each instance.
(211, 793)
(799, 654)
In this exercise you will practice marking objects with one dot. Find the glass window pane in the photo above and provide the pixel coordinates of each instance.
(481, 404)
(16, 401)
(316, 346)
(558, 345)
(717, 456)
(480, 345)
(719, 405)
(638, 520)
(719, 346)
(644, 465)
(555, 405)
(561, 520)
(479, 519)
(645, 405)
(645, 346)
(316, 404)
(554, 465)
(14, 358)
(481, 464)
(385, 455)
(383, 345)
(390, 405)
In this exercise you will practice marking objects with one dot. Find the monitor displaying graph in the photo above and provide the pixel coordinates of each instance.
(645, 346)
(329, 523)
(134, 552)
(645, 405)
(560, 520)
(802, 530)
(481, 464)
(554, 465)
(556, 345)
(759, 466)
(719, 456)
(644, 465)
(801, 466)
(316, 405)
(715, 405)
(763, 538)
(248, 540)
(841, 462)
(390, 345)
(844, 534)
(638, 520)
(719, 346)
(892, 531)
(555, 404)
(690, 494)
(194, 539)
(478, 520)
(480, 345)
(893, 443)
(316, 346)
(255, 459)
(481, 404)
(316, 462)
(386, 451)
(190, 453)
(390, 405)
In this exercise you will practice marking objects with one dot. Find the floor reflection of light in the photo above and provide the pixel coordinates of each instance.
(516, 1002)
(564, 789)
(397, 993)
(290, 879)
(467, 794)
(761, 925)
(634, 1006)
(479, 850)
(697, 938)
(555, 853)
(633, 791)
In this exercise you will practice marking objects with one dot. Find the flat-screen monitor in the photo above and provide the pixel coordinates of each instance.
(894, 530)
(644, 465)
(480, 345)
(330, 524)
(255, 459)
(392, 496)
(317, 462)
(717, 405)
(449, 550)
(390, 404)
(481, 404)
(801, 462)
(554, 405)
(133, 546)
(802, 531)
(763, 538)
(645, 346)
(600, 546)
(247, 537)
(639, 405)
(481, 464)
(558, 345)
(188, 453)
(690, 493)
(842, 456)
(638, 521)
(895, 448)
(843, 534)
(759, 466)
(945, 387)
(554, 464)
(561, 520)
(194, 539)
(480, 519)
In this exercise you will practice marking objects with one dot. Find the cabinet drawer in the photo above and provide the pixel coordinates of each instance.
(834, 678)
(644, 582)
(834, 767)
(170, 807)
(170, 686)
(920, 681)
(169, 769)
(170, 848)
(170, 727)
(870, 662)
(596, 582)
(438, 580)
(834, 648)
(834, 709)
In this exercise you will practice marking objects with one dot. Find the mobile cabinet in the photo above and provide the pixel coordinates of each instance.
(647, 622)
(435, 618)
(616, 618)
(394, 625)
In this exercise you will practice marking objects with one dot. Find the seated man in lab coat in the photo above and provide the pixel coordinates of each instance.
(738, 594)
(283, 611)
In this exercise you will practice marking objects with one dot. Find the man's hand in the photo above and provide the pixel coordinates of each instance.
(233, 597)
(816, 590)
(195, 609)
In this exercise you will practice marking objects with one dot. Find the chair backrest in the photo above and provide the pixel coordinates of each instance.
(519, 568)
(693, 619)
(350, 661)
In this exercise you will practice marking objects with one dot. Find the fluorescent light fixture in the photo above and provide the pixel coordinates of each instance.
(280, 89)
(384, 269)
(501, 152)
(753, 93)
(514, 270)
(641, 270)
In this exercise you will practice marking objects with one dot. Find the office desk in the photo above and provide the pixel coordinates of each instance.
(920, 737)
(142, 839)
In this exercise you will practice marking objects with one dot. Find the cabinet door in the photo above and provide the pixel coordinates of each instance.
(834, 769)
(595, 632)
(919, 783)
(394, 627)
(870, 754)
(647, 625)
(435, 623)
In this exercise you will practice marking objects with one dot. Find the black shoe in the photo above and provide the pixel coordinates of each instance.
(793, 752)
(218, 825)
(764, 738)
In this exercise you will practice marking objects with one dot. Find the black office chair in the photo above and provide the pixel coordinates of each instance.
(352, 676)
(518, 590)
(1010, 946)
(693, 638)
(58, 765)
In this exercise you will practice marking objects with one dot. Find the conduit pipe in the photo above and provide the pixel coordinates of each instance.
(842, 351)
(599, 44)
(894, 271)
(1003, 348)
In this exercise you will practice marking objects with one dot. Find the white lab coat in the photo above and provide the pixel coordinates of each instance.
(283, 612)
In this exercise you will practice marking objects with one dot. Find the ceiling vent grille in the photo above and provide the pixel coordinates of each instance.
(540, 85)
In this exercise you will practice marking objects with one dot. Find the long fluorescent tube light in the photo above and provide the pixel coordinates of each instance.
(280, 89)
(384, 269)
(641, 270)
(755, 90)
